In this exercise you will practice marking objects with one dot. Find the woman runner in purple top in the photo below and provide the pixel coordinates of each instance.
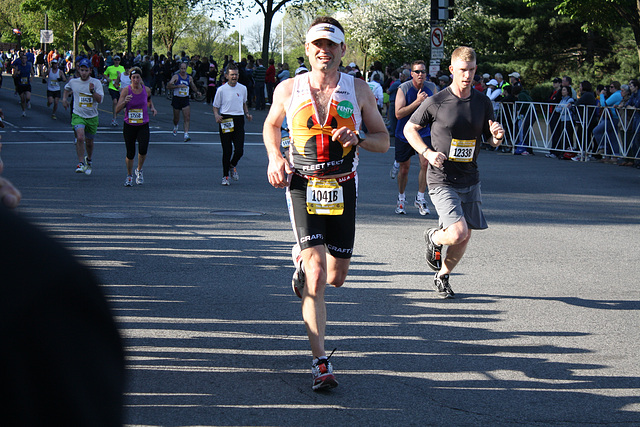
(136, 101)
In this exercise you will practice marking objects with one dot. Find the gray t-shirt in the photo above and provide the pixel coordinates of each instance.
(457, 127)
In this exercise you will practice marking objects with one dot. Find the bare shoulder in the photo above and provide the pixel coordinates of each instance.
(281, 100)
(360, 85)
(285, 88)
(363, 92)
(282, 93)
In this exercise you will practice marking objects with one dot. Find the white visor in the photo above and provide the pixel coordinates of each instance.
(325, 31)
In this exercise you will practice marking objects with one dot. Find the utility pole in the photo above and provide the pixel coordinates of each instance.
(441, 11)
(150, 40)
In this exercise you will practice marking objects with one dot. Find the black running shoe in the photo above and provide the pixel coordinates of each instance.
(299, 279)
(442, 286)
(434, 252)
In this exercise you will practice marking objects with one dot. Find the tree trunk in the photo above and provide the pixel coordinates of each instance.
(129, 32)
(266, 35)
(635, 27)
(75, 43)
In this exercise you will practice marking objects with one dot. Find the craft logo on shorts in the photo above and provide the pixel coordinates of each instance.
(345, 109)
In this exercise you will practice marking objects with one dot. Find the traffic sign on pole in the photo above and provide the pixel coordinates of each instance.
(46, 36)
(437, 43)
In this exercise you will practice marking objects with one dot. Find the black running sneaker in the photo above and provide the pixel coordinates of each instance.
(298, 280)
(434, 252)
(442, 286)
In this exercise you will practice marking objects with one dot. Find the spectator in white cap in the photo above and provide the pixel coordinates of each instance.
(514, 78)
(493, 92)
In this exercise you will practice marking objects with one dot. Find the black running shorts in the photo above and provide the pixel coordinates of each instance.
(337, 232)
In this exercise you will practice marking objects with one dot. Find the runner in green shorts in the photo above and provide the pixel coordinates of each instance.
(87, 95)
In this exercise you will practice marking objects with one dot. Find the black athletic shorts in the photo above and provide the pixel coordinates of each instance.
(404, 150)
(337, 232)
(53, 94)
(115, 95)
(22, 89)
(179, 102)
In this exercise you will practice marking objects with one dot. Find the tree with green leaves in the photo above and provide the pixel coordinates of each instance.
(130, 12)
(77, 13)
(600, 14)
(392, 31)
(10, 16)
(171, 21)
(533, 39)
(268, 8)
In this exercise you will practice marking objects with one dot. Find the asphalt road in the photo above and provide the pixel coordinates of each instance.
(545, 328)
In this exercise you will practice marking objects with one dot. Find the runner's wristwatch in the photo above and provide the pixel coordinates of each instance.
(361, 137)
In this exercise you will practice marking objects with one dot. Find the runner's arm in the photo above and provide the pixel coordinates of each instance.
(65, 98)
(411, 132)
(171, 84)
(98, 92)
(150, 105)
(216, 114)
(404, 110)
(278, 166)
(122, 101)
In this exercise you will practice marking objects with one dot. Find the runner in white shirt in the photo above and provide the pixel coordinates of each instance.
(55, 76)
(230, 109)
(87, 95)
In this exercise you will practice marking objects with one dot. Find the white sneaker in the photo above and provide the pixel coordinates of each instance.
(129, 181)
(234, 173)
(114, 123)
(175, 130)
(139, 177)
(186, 137)
(400, 207)
(421, 204)
(88, 169)
(394, 171)
(24, 114)
(225, 180)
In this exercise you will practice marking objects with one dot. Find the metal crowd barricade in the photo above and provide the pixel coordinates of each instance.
(583, 130)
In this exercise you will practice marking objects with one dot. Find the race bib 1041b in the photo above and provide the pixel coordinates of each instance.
(324, 197)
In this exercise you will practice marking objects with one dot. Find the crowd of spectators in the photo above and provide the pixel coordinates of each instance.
(602, 110)
(607, 105)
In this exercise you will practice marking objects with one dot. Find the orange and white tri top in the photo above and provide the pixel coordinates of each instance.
(311, 151)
